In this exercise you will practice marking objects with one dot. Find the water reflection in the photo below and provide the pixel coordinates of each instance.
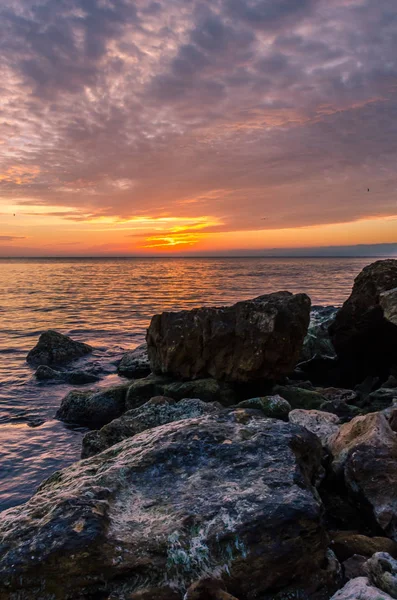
(108, 303)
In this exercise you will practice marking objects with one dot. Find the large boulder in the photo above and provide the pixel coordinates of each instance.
(229, 494)
(93, 408)
(364, 339)
(54, 348)
(365, 454)
(135, 364)
(157, 411)
(252, 340)
(360, 588)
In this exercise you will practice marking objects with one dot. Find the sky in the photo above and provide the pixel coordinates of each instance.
(192, 127)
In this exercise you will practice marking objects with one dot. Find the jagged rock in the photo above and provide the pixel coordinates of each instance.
(364, 339)
(360, 588)
(391, 382)
(347, 543)
(317, 343)
(381, 569)
(323, 425)
(274, 407)
(342, 410)
(45, 373)
(251, 340)
(157, 411)
(168, 506)
(208, 390)
(388, 302)
(300, 397)
(54, 348)
(135, 364)
(365, 453)
(93, 408)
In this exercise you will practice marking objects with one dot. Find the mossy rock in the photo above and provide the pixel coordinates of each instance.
(274, 407)
(299, 397)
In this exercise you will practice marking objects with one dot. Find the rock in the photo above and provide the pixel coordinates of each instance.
(338, 395)
(354, 567)
(54, 348)
(157, 411)
(360, 588)
(364, 339)
(388, 302)
(323, 425)
(274, 407)
(252, 340)
(365, 453)
(380, 399)
(165, 593)
(135, 364)
(345, 544)
(93, 408)
(393, 420)
(382, 572)
(391, 382)
(342, 410)
(45, 373)
(208, 589)
(168, 506)
(208, 390)
(317, 343)
(299, 397)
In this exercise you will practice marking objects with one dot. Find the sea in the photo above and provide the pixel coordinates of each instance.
(108, 303)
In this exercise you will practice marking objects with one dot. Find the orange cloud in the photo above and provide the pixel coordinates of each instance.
(20, 174)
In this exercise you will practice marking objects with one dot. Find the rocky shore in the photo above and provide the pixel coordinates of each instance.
(249, 453)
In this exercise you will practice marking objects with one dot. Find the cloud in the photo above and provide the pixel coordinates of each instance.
(234, 110)
(11, 238)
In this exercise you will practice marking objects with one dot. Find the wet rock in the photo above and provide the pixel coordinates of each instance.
(93, 408)
(365, 453)
(299, 397)
(360, 588)
(54, 348)
(323, 425)
(135, 364)
(45, 373)
(274, 407)
(347, 543)
(168, 506)
(364, 339)
(382, 571)
(157, 411)
(252, 340)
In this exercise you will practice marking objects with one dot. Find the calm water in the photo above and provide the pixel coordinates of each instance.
(108, 304)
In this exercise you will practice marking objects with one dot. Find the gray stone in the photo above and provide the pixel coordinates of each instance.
(93, 408)
(54, 348)
(324, 425)
(360, 588)
(381, 569)
(229, 493)
(274, 407)
(135, 364)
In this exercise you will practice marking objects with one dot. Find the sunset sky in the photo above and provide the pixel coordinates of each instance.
(189, 126)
